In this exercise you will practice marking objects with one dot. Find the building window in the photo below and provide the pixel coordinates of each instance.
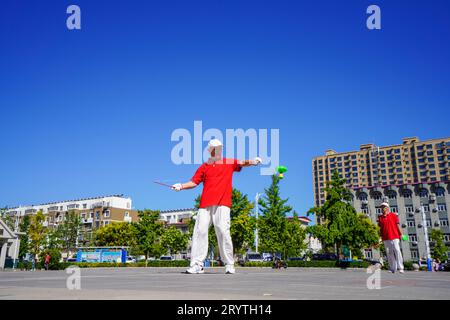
(447, 237)
(423, 193)
(365, 210)
(394, 209)
(443, 222)
(91, 215)
(412, 237)
(83, 216)
(442, 207)
(362, 196)
(440, 192)
(409, 209)
(426, 208)
(377, 195)
(106, 222)
(378, 211)
(407, 194)
(392, 195)
(97, 215)
(84, 205)
(106, 214)
(368, 254)
(428, 222)
(411, 223)
(414, 254)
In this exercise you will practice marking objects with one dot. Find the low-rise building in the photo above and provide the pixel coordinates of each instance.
(94, 212)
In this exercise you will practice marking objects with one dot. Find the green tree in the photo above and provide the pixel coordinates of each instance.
(272, 224)
(24, 238)
(37, 233)
(53, 240)
(67, 232)
(173, 240)
(149, 230)
(116, 234)
(342, 225)
(294, 237)
(365, 234)
(439, 249)
(8, 219)
(242, 223)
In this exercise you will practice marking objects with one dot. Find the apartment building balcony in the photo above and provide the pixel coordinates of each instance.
(53, 209)
(30, 211)
(87, 220)
(100, 204)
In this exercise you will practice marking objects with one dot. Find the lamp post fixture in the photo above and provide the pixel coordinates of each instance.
(427, 243)
(257, 216)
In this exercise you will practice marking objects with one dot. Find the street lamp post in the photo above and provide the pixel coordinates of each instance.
(427, 243)
(257, 215)
(16, 227)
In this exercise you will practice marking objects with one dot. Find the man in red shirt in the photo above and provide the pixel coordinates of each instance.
(216, 175)
(391, 234)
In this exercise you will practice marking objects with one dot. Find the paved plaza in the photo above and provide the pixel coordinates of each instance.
(247, 283)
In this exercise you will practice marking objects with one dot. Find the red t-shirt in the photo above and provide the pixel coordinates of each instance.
(217, 182)
(388, 226)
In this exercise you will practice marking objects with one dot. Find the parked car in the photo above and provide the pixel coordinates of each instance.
(253, 257)
(131, 259)
(324, 256)
(71, 260)
(270, 257)
(296, 258)
(166, 258)
(267, 256)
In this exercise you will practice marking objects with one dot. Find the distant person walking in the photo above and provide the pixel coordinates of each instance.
(47, 261)
(391, 234)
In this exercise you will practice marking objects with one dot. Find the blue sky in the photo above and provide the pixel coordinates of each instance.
(91, 112)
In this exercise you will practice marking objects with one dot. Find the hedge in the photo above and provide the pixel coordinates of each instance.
(26, 265)
(314, 264)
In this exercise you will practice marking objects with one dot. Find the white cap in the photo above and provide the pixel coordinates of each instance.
(214, 143)
(384, 204)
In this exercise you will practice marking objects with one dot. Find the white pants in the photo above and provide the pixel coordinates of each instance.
(394, 254)
(220, 217)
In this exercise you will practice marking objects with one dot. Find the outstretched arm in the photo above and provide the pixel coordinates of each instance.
(248, 163)
(182, 186)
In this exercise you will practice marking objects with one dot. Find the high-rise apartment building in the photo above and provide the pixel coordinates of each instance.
(413, 177)
(413, 161)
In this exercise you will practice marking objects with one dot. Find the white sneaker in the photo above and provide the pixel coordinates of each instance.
(195, 269)
(229, 269)
(401, 271)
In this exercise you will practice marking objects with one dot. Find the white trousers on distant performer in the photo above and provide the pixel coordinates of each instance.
(220, 217)
(394, 254)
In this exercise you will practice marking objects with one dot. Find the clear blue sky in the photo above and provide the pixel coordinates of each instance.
(90, 112)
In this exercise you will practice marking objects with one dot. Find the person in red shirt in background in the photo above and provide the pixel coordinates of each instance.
(391, 234)
(47, 261)
(216, 175)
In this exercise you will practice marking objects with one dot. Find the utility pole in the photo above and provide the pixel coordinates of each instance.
(257, 216)
(427, 243)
